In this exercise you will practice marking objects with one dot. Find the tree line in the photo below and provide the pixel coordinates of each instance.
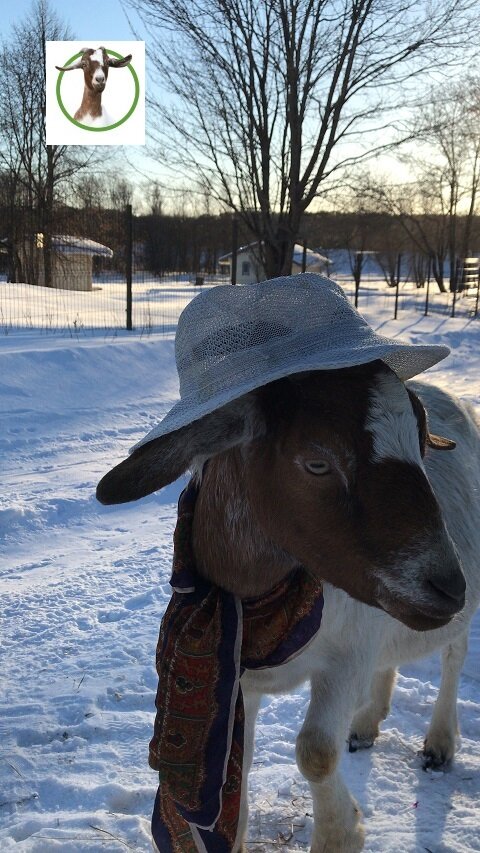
(178, 241)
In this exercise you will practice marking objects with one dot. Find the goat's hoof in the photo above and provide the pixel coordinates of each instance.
(433, 759)
(438, 752)
(363, 733)
(342, 840)
(316, 757)
(356, 742)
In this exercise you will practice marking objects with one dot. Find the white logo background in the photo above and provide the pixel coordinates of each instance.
(117, 97)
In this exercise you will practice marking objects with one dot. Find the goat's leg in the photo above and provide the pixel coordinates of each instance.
(365, 727)
(337, 818)
(439, 747)
(319, 747)
(251, 704)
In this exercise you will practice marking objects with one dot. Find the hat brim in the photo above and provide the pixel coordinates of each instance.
(406, 360)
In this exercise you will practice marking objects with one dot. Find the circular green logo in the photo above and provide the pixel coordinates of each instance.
(109, 126)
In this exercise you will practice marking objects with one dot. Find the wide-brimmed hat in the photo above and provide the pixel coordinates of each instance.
(231, 340)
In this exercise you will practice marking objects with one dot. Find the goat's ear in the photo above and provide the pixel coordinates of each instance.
(164, 459)
(439, 443)
(427, 438)
(77, 64)
(119, 63)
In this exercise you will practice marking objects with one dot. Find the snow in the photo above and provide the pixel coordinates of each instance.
(67, 244)
(83, 589)
(157, 304)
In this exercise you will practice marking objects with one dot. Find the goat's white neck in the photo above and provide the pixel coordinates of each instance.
(229, 547)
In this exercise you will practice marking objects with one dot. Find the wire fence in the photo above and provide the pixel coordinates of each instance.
(156, 304)
(92, 271)
(97, 272)
(66, 274)
(406, 296)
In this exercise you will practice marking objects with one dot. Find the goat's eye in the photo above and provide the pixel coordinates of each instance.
(319, 466)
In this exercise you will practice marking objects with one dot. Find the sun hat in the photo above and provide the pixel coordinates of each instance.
(233, 339)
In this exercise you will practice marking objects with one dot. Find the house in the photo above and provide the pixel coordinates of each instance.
(71, 260)
(250, 268)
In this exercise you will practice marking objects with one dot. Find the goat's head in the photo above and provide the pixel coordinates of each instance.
(334, 476)
(95, 65)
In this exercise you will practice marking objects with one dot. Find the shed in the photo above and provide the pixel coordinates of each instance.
(250, 268)
(72, 260)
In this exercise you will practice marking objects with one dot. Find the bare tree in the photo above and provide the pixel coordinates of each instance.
(91, 190)
(464, 119)
(437, 207)
(450, 133)
(424, 223)
(155, 194)
(40, 172)
(120, 191)
(275, 100)
(361, 224)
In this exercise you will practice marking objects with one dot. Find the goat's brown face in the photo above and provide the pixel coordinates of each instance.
(95, 65)
(338, 482)
(334, 477)
(95, 69)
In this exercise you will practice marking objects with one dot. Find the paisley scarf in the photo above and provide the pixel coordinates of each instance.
(208, 637)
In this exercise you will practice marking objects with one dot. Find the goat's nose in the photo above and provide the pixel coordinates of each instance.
(450, 584)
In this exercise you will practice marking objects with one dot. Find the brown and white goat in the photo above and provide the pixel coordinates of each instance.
(95, 65)
(337, 471)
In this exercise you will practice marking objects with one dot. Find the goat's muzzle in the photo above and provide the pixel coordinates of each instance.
(425, 593)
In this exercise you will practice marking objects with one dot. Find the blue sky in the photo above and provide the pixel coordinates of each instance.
(105, 19)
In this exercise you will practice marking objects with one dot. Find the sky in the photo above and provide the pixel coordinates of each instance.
(109, 22)
(109, 19)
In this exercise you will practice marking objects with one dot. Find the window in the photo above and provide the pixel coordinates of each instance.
(245, 267)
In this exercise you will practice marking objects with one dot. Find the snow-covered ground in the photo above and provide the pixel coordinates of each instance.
(157, 302)
(83, 589)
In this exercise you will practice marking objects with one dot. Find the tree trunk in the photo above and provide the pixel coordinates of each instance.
(47, 218)
(278, 255)
(438, 273)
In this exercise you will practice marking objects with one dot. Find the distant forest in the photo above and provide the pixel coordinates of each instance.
(163, 243)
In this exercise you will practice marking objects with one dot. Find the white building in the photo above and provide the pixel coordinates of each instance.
(250, 268)
(71, 260)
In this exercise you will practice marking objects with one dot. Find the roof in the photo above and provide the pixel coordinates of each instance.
(312, 257)
(240, 249)
(67, 244)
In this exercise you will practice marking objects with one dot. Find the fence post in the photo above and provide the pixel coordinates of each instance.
(478, 294)
(358, 266)
(429, 273)
(304, 256)
(129, 262)
(234, 249)
(455, 286)
(397, 289)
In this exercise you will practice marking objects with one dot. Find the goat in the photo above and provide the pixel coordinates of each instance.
(95, 65)
(337, 471)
